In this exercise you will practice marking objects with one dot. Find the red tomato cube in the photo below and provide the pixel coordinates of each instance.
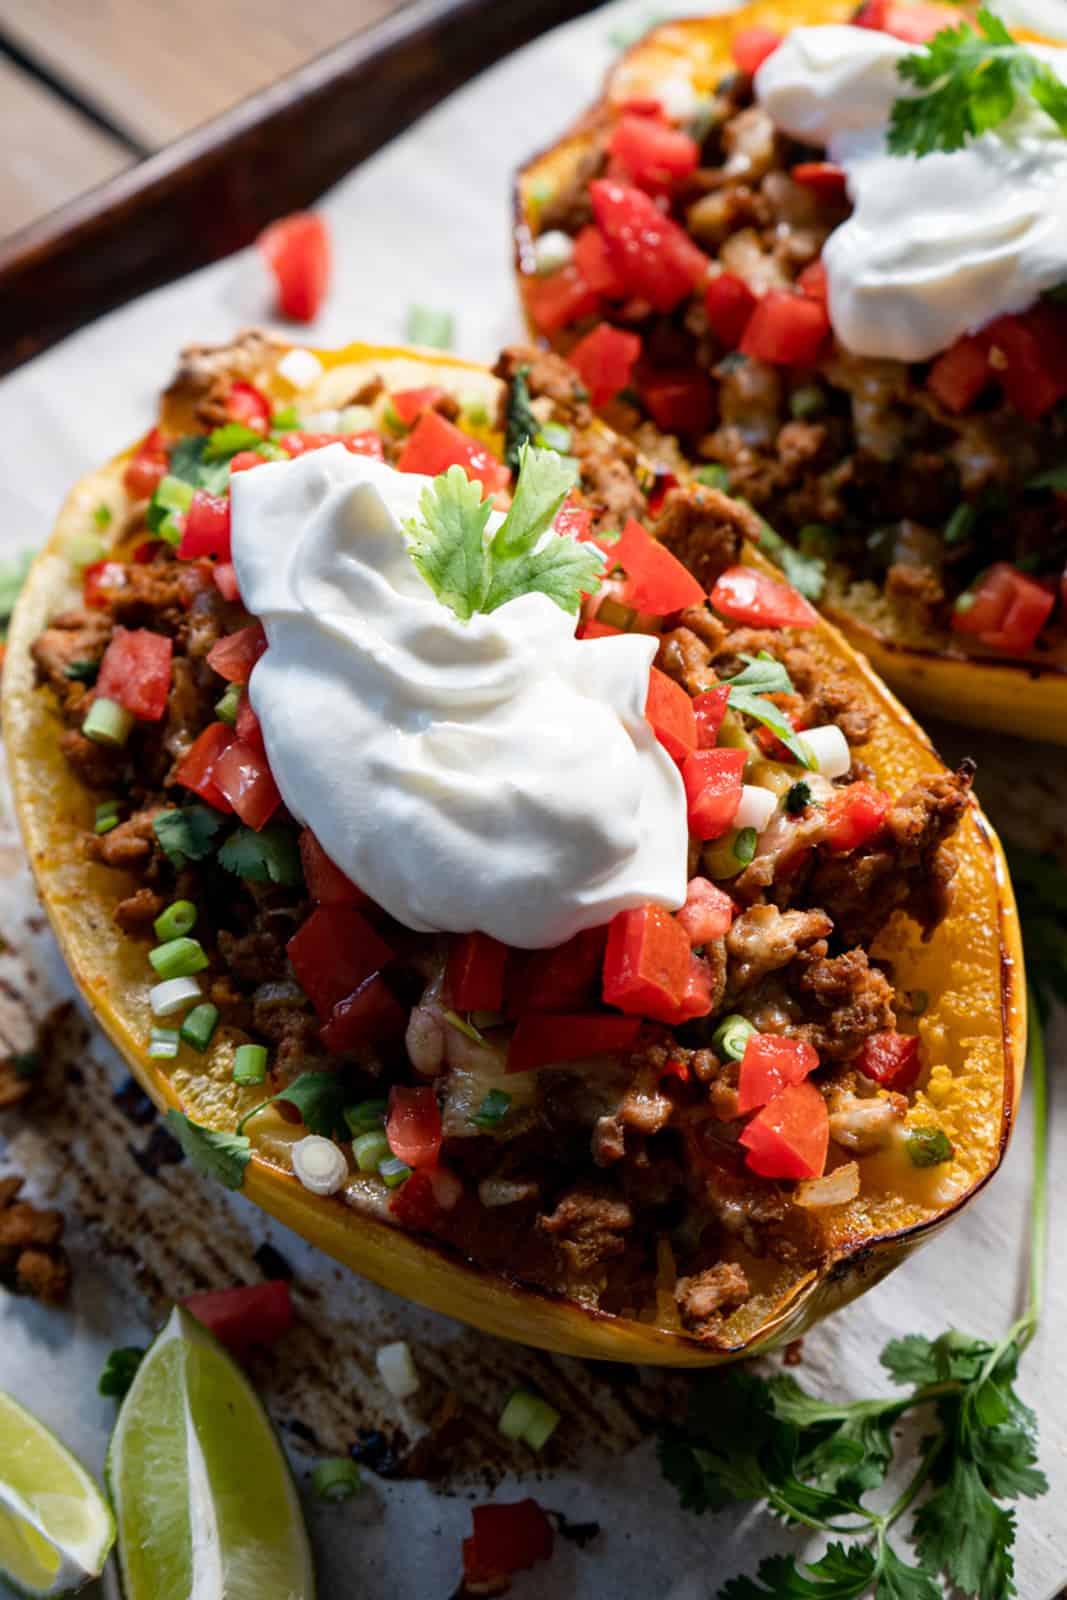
(707, 914)
(559, 300)
(712, 781)
(413, 1126)
(670, 711)
(333, 952)
(593, 262)
(656, 258)
(604, 361)
(646, 963)
(196, 769)
(206, 527)
(745, 595)
(786, 329)
(729, 303)
(234, 656)
(678, 399)
(789, 1138)
(297, 251)
(709, 709)
(891, 1059)
(541, 1038)
(136, 672)
(769, 1065)
(367, 1015)
(435, 444)
(752, 45)
(656, 581)
(653, 153)
(474, 979)
(854, 815)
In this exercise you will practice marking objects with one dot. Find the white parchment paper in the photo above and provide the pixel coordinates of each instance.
(427, 221)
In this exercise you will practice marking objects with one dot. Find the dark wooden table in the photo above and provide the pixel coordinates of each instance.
(89, 86)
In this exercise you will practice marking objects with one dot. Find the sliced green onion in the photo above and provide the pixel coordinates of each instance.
(178, 919)
(731, 1037)
(366, 1117)
(392, 419)
(227, 708)
(270, 451)
(102, 515)
(82, 671)
(965, 601)
(733, 362)
(173, 494)
(370, 1150)
(960, 525)
(335, 1480)
(82, 549)
(178, 958)
(541, 191)
(170, 528)
(107, 816)
(496, 1104)
(163, 1044)
(354, 419)
(554, 436)
(745, 845)
(199, 1025)
(475, 412)
(807, 401)
(929, 1147)
(714, 476)
(394, 1171)
(226, 441)
(528, 1417)
(615, 615)
(250, 1063)
(108, 723)
(428, 326)
(166, 999)
(285, 420)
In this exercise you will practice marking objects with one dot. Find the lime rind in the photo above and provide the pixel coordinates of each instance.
(56, 1528)
(204, 1497)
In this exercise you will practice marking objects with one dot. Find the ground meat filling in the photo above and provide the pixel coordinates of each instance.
(619, 1182)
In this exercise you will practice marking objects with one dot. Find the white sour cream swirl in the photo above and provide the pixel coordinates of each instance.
(496, 774)
(935, 247)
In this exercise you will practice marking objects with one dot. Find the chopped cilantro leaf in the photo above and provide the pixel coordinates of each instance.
(448, 541)
(186, 835)
(320, 1099)
(521, 426)
(760, 709)
(82, 671)
(798, 798)
(214, 1154)
(269, 856)
(928, 1147)
(1054, 478)
(805, 573)
(763, 674)
(120, 1369)
(187, 461)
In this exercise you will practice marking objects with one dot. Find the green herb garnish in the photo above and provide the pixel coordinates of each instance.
(805, 573)
(972, 81)
(470, 572)
(428, 326)
(214, 1153)
(521, 425)
(225, 442)
(318, 1096)
(763, 674)
(745, 845)
(190, 462)
(495, 1106)
(102, 516)
(82, 671)
(186, 835)
(1054, 478)
(270, 856)
(798, 797)
(120, 1369)
(928, 1147)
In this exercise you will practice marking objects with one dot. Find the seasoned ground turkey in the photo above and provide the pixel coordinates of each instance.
(602, 1176)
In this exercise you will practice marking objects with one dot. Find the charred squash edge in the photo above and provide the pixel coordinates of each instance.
(1025, 696)
(113, 977)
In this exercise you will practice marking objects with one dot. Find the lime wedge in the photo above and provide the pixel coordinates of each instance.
(206, 1505)
(55, 1526)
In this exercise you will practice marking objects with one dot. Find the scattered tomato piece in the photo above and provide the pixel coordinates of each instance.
(561, 979)
(595, 265)
(369, 1014)
(243, 776)
(712, 781)
(136, 671)
(604, 361)
(751, 46)
(959, 376)
(147, 467)
(786, 329)
(646, 963)
(1008, 609)
(729, 303)
(234, 655)
(656, 581)
(195, 770)
(745, 595)
(678, 399)
(891, 1059)
(297, 250)
(249, 406)
(507, 1538)
(409, 404)
(101, 581)
(707, 914)
(709, 709)
(435, 444)
(670, 711)
(206, 528)
(332, 953)
(413, 1126)
(654, 154)
(914, 21)
(655, 257)
(254, 1313)
(325, 881)
(770, 1064)
(560, 299)
(854, 815)
(789, 1138)
(474, 978)
(366, 443)
(824, 177)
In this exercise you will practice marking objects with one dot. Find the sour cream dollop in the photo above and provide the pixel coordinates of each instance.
(935, 247)
(496, 774)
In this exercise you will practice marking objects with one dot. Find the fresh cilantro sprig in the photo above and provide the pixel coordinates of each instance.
(763, 675)
(973, 80)
(270, 856)
(521, 426)
(807, 574)
(213, 1152)
(813, 1462)
(471, 572)
(318, 1096)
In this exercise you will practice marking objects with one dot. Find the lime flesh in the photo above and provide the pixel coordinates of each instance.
(206, 1505)
(55, 1527)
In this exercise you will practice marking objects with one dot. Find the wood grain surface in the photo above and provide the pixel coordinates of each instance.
(51, 151)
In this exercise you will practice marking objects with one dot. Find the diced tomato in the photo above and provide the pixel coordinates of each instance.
(696, 996)
(709, 709)
(367, 1015)
(242, 774)
(573, 521)
(147, 467)
(234, 655)
(745, 595)
(542, 1038)
(854, 815)
(789, 1138)
(244, 460)
(813, 282)
(249, 406)
(729, 302)
(914, 21)
(1008, 611)
(206, 529)
(959, 376)
(196, 769)
(678, 399)
(435, 444)
(670, 711)
(593, 261)
(558, 300)
(562, 979)
(786, 329)
(367, 443)
(254, 1313)
(425, 1198)
(247, 726)
(410, 403)
(136, 672)
(646, 963)
(297, 250)
(474, 979)
(326, 883)
(656, 258)
(891, 1059)
(769, 1065)
(751, 46)
(825, 178)
(225, 575)
(657, 495)
(653, 153)
(413, 1126)
(707, 914)
(604, 361)
(1032, 364)
(507, 1538)
(101, 581)
(597, 630)
(145, 552)
(712, 781)
(333, 952)
(656, 580)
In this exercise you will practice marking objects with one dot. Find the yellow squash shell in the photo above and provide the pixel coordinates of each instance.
(973, 1028)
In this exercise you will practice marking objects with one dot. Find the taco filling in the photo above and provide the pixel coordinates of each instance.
(845, 303)
(580, 919)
